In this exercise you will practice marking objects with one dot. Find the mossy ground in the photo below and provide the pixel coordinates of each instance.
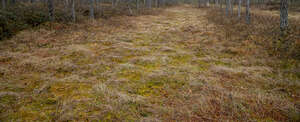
(170, 66)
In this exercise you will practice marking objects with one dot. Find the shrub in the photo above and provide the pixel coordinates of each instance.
(20, 17)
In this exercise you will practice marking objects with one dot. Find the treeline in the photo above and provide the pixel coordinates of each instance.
(71, 8)
(257, 21)
(283, 6)
(16, 15)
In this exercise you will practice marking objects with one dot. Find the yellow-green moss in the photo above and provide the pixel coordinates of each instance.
(150, 89)
(180, 59)
(8, 99)
(71, 90)
(218, 62)
(151, 66)
(202, 65)
(62, 72)
(78, 58)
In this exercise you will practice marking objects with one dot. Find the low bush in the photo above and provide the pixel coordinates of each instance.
(29, 15)
(19, 17)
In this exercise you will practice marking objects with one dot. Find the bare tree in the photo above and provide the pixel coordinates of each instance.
(3, 4)
(51, 10)
(157, 3)
(284, 15)
(199, 3)
(248, 16)
(207, 3)
(137, 4)
(163, 2)
(231, 6)
(129, 7)
(227, 7)
(73, 11)
(67, 5)
(149, 3)
(99, 3)
(113, 3)
(13, 2)
(92, 15)
(239, 8)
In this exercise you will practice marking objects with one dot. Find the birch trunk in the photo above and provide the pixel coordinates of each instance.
(51, 10)
(137, 5)
(148, 3)
(239, 8)
(230, 7)
(73, 11)
(207, 3)
(248, 16)
(92, 15)
(227, 7)
(283, 15)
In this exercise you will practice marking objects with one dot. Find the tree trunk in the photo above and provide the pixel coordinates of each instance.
(230, 6)
(227, 7)
(283, 15)
(130, 10)
(73, 11)
(13, 2)
(51, 10)
(92, 15)
(96, 5)
(3, 4)
(113, 2)
(100, 7)
(239, 8)
(248, 15)
(66, 5)
(207, 3)
(148, 3)
(137, 4)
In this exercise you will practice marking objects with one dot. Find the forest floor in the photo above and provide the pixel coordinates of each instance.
(171, 66)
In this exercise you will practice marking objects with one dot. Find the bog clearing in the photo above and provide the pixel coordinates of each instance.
(175, 65)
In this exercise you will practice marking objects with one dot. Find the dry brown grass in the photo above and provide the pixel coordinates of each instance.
(263, 31)
(174, 66)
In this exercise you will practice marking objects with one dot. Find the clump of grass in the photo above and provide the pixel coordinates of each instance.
(180, 59)
(119, 105)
